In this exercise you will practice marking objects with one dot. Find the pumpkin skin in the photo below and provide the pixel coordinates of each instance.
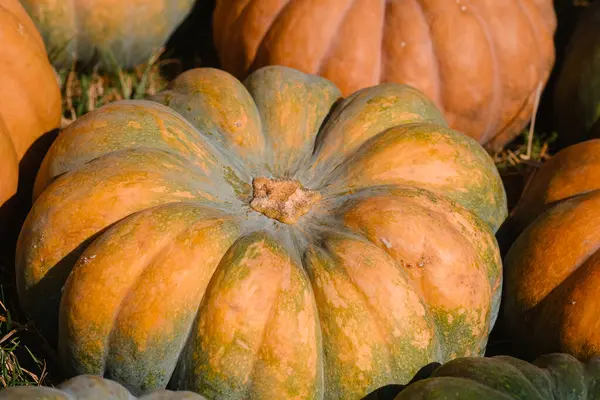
(30, 103)
(552, 376)
(89, 387)
(479, 61)
(577, 93)
(552, 270)
(155, 222)
(125, 32)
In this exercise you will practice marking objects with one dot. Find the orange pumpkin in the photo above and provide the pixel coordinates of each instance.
(265, 240)
(553, 268)
(125, 32)
(480, 61)
(30, 103)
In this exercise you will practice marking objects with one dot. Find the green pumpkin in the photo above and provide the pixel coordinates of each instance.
(89, 387)
(242, 240)
(551, 377)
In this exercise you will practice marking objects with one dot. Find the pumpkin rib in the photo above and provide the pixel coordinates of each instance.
(141, 364)
(480, 371)
(331, 279)
(94, 220)
(238, 129)
(461, 388)
(358, 169)
(537, 229)
(269, 320)
(497, 87)
(229, 323)
(303, 108)
(439, 82)
(260, 43)
(361, 227)
(366, 298)
(24, 54)
(120, 308)
(528, 372)
(71, 146)
(346, 130)
(152, 253)
(328, 50)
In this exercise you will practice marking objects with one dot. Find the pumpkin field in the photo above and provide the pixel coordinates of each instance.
(300, 199)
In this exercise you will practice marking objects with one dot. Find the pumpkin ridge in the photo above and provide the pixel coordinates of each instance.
(120, 339)
(498, 89)
(331, 254)
(564, 286)
(439, 95)
(332, 278)
(164, 242)
(254, 66)
(333, 41)
(270, 318)
(481, 372)
(563, 207)
(353, 169)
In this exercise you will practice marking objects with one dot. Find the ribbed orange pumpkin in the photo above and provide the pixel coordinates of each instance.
(252, 242)
(552, 270)
(127, 32)
(30, 103)
(479, 60)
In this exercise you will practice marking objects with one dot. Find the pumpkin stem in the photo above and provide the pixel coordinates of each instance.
(282, 199)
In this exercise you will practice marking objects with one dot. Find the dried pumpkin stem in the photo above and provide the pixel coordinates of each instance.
(282, 199)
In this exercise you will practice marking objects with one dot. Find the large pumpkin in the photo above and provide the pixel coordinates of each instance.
(270, 240)
(550, 377)
(552, 270)
(89, 387)
(577, 95)
(480, 61)
(126, 32)
(30, 104)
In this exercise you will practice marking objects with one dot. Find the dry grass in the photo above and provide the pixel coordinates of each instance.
(20, 363)
(84, 92)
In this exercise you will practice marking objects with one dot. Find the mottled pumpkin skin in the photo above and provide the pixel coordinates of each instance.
(550, 377)
(29, 95)
(126, 32)
(480, 61)
(552, 270)
(145, 229)
(577, 94)
(89, 387)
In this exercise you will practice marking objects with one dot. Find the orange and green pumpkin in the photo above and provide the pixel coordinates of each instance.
(577, 94)
(552, 270)
(263, 240)
(89, 387)
(550, 377)
(480, 61)
(30, 103)
(125, 32)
